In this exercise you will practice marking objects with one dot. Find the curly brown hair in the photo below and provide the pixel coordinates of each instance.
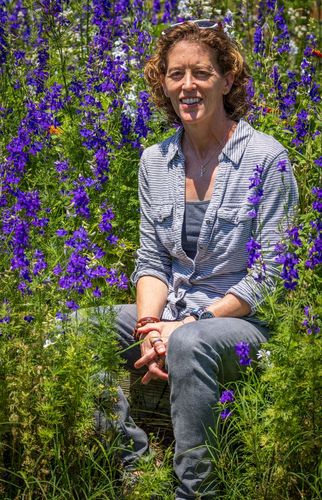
(227, 56)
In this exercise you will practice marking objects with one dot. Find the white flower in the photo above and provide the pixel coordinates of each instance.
(263, 355)
(293, 48)
(48, 343)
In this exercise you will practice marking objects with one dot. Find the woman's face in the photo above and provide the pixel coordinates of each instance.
(194, 83)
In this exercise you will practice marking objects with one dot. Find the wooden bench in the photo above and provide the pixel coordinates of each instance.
(150, 405)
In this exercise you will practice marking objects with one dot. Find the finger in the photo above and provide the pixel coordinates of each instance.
(149, 327)
(153, 373)
(156, 368)
(159, 348)
(158, 344)
(147, 378)
(149, 356)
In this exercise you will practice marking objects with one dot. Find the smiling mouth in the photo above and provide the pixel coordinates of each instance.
(191, 100)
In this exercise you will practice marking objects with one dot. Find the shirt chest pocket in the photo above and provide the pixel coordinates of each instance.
(163, 222)
(233, 230)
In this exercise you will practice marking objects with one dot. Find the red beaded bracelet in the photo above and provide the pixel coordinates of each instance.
(142, 322)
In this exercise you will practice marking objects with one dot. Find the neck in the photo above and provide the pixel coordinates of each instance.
(199, 139)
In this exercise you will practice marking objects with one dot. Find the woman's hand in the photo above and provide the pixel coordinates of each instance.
(154, 347)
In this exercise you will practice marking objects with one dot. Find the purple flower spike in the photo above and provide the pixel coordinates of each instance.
(242, 349)
(227, 396)
(253, 248)
(310, 322)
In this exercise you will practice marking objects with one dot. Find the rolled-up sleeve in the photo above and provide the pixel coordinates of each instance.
(275, 213)
(153, 259)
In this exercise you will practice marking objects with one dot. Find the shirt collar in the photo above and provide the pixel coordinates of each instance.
(175, 144)
(234, 149)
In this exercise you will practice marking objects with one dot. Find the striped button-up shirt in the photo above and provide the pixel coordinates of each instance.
(220, 264)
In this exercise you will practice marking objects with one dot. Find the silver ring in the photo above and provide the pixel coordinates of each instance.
(154, 340)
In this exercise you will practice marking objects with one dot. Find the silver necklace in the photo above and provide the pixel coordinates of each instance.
(204, 166)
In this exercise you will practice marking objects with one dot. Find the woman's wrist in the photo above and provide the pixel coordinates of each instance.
(187, 319)
(142, 322)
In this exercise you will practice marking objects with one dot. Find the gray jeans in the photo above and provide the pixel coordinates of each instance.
(201, 355)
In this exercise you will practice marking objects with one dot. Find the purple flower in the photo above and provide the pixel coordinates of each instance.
(61, 232)
(62, 316)
(105, 224)
(318, 161)
(40, 263)
(226, 413)
(281, 166)
(123, 282)
(252, 213)
(301, 127)
(294, 236)
(317, 204)
(29, 202)
(310, 322)
(289, 272)
(242, 349)
(270, 4)
(5, 319)
(256, 197)
(57, 269)
(29, 318)
(227, 396)
(257, 194)
(61, 166)
(71, 304)
(315, 251)
(252, 247)
(143, 115)
(80, 200)
(167, 12)
(282, 37)
(256, 178)
(259, 43)
(97, 292)
(112, 239)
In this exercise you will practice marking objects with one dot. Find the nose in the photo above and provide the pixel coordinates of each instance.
(188, 81)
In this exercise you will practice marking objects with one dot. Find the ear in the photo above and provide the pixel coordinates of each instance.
(229, 80)
(162, 78)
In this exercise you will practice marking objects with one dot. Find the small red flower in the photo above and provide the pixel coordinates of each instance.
(316, 53)
(55, 130)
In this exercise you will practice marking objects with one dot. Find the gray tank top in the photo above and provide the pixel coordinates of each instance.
(193, 216)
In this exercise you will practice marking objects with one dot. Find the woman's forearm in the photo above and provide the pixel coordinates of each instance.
(151, 296)
(230, 306)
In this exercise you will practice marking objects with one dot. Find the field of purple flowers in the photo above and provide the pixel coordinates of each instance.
(75, 116)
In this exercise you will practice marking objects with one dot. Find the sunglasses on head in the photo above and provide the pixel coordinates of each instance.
(201, 23)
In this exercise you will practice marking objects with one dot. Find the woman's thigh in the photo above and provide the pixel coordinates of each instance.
(125, 321)
(217, 338)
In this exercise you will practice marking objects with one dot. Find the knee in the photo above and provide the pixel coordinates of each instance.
(183, 347)
(182, 338)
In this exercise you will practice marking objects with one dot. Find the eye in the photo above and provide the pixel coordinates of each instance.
(175, 75)
(201, 74)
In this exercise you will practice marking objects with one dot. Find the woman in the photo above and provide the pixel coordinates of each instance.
(195, 297)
